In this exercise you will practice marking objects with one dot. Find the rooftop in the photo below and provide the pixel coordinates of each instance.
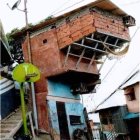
(133, 80)
(117, 99)
(103, 4)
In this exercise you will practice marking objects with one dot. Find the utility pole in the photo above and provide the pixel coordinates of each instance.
(15, 6)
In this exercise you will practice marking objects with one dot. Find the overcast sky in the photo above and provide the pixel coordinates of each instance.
(40, 9)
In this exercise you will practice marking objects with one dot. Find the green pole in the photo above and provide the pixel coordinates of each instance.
(23, 109)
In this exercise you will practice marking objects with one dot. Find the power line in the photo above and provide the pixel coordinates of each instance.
(84, 0)
(59, 8)
(114, 64)
(76, 4)
(117, 60)
(124, 82)
(135, 33)
(68, 7)
(134, 2)
(97, 3)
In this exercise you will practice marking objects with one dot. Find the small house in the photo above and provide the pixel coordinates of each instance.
(131, 93)
(111, 115)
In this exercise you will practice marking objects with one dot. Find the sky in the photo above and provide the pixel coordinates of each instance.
(40, 9)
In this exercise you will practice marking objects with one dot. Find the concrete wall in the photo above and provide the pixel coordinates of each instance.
(54, 120)
(61, 90)
(133, 106)
(71, 109)
(75, 109)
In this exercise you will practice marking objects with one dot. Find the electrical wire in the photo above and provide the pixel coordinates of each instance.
(99, 2)
(68, 7)
(84, 0)
(117, 60)
(135, 33)
(119, 87)
(59, 8)
(76, 4)
(113, 65)
(127, 4)
(55, 11)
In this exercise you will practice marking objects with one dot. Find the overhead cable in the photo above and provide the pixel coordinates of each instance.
(119, 87)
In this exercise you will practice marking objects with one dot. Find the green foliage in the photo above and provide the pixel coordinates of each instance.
(9, 35)
(16, 30)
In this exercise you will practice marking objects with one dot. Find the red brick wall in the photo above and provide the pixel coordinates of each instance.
(111, 25)
(48, 57)
(42, 111)
(44, 56)
(74, 30)
(88, 23)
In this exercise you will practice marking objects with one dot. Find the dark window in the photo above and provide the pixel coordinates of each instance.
(104, 121)
(130, 95)
(110, 120)
(75, 120)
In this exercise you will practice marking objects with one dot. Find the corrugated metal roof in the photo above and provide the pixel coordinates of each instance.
(135, 79)
(117, 99)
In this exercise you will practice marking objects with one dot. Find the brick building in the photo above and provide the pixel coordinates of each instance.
(68, 50)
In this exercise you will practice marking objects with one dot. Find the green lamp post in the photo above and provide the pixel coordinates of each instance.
(25, 72)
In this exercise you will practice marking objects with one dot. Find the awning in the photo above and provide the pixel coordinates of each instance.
(131, 116)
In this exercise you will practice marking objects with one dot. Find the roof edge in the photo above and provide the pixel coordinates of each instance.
(98, 3)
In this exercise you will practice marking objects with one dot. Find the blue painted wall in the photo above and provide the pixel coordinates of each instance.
(71, 109)
(63, 90)
(53, 116)
(75, 109)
